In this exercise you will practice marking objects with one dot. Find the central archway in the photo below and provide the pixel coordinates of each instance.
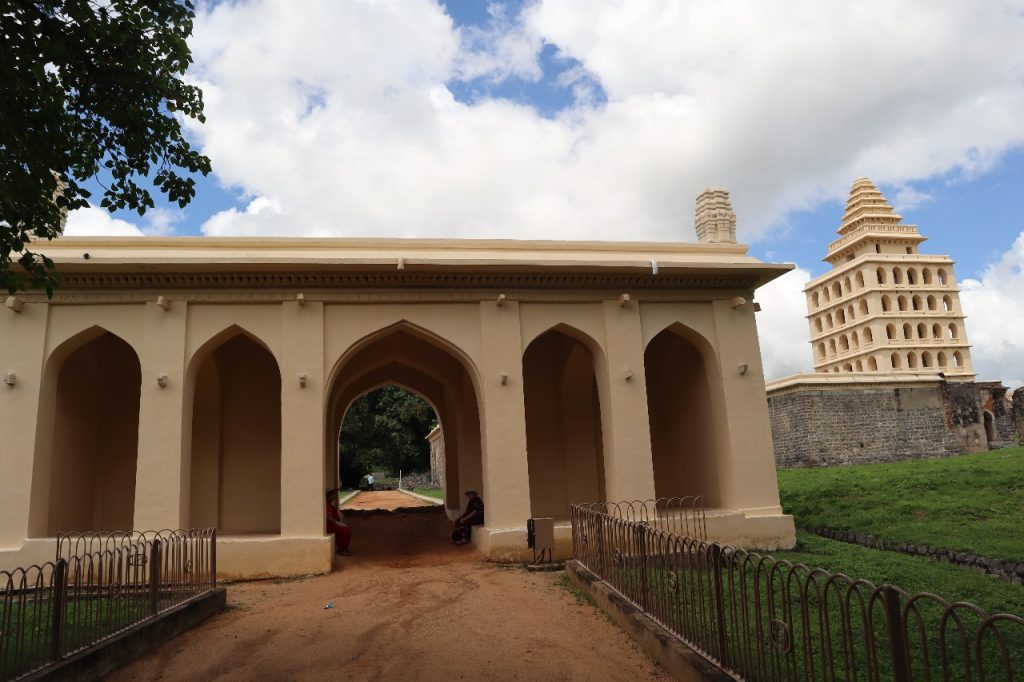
(414, 359)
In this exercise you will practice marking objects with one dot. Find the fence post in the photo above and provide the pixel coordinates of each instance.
(59, 582)
(154, 577)
(641, 543)
(897, 640)
(602, 563)
(213, 559)
(716, 573)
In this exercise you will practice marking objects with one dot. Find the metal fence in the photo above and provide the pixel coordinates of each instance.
(98, 585)
(760, 618)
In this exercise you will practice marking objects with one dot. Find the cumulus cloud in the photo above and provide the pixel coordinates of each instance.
(342, 114)
(782, 326)
(995, 326)
(95, 222)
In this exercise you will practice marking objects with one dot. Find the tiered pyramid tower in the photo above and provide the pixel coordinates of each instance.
(884, 307)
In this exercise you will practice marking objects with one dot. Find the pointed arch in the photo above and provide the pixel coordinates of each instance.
(232, 417)
(87, 436)
(564, 429)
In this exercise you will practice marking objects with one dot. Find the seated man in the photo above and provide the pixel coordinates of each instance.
(473, 516)
(335, 526)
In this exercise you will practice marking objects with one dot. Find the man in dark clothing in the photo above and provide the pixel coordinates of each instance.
(473, 516)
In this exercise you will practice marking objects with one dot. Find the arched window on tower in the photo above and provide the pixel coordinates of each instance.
(880, 275)
(908, 331)
(863, 305)
(941, 274)
(911, 360)
(868, 336)
(926, 276)
(942, 359)
(872, 364)
(896, 361)
(886, 304)
(911, 276)
(859, 280)
(953, 330)
(897, 276)
(947, 303)
(901, 303)
(931, 303)
(922, 330)
(915, 302)
(890, 331)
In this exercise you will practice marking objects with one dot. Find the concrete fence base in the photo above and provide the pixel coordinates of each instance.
(679, 660)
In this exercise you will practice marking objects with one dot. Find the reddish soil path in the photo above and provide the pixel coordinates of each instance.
(407, 605)
(384, 499)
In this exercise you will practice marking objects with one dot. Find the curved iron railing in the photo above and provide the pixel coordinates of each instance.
(98, 585)
(760, 618)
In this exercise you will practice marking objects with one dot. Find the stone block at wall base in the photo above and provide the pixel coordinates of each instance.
(751, 529)
(247, 557)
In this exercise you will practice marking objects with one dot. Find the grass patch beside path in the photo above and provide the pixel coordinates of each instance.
(436, 493)
(969, 503)
(913, 574)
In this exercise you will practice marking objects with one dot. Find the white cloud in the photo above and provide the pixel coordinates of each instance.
(94, 222)
(995, 325)
(782, 326)
(341, 113)
(97, 222)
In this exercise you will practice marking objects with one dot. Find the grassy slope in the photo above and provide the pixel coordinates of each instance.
(430, 492)
(913, 574)
(971, 503)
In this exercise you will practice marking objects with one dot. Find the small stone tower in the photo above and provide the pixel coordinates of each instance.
(884, 307)
(716, 221)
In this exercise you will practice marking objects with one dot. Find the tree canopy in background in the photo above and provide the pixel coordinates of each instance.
(89, 89)
(385, 430)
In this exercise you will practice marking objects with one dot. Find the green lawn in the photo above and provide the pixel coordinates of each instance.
(913, 574)
(437, 493)
(970, 503)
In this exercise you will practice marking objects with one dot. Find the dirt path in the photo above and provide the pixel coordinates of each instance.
(383, 499)
(406, 606)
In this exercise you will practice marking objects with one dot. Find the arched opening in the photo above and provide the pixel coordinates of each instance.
(684, 400)
(890, 331)
(87, 443)
(901, 303)
(863, 306)
(931, 303)
(911, 276)
(990, 426)
(859, 279)
(942, 359)
(236, 436)
(832, 347)
(872, 364)
(828, 320)
(880, 275)
(844, 343)
(405, 358)
(926, 359)
(855, 340)
(952, 330)
(814, 299)
(942, 276)
(896, 361)
(847, 367)
(859, 367)
(915, 302)
(821, 351)
(947, 304)
(936, 331)
(958, 360)
(886, 304)
(912, 360)
(908, 331)
(564, 447)
(897, 276)
(847, 287)
(849, 313)
(926, 276)
(841, 316)
(837, 290)
(817, 325)
(922, 330)
(825, 293)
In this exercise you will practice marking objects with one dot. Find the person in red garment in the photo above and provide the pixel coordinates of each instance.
(335, 526)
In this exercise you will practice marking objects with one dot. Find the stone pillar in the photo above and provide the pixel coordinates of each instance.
(748, 470)
(162, 474)
(303, 461)
(626, 429)
(503, 417)
(23, 338)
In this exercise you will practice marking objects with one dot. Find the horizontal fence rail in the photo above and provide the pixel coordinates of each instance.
(759, 618)
(677, 515)
(99, 584)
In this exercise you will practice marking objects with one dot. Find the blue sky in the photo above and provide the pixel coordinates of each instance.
(602, 119)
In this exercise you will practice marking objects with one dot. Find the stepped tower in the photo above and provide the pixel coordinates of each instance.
(884, 307)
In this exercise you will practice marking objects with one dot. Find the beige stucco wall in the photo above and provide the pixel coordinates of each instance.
(250, 350)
